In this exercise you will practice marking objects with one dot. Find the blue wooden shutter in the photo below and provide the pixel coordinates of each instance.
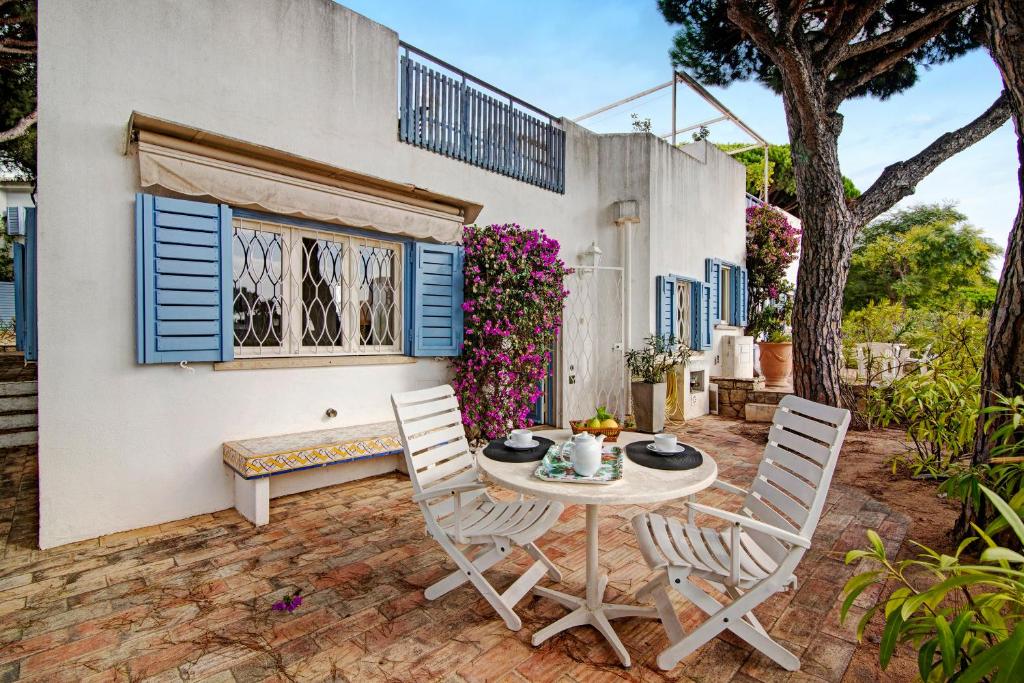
(712, 275)
(437, 293)
(697, 304)
(739, 296)
(707, 318)
(665, 306)
(183, 280)
(25, 310)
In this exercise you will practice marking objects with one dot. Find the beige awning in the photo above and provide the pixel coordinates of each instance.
(197, 163)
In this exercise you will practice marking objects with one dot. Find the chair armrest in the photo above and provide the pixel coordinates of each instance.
(439, 491)
(730, 488)
(752, 524)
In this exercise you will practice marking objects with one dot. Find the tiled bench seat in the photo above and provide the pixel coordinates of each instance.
(255, 461)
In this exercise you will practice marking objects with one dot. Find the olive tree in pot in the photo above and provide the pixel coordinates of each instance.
(649, 367)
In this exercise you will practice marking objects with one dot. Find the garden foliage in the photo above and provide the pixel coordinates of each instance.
(513, 311)
(938, 408)
(965, 618)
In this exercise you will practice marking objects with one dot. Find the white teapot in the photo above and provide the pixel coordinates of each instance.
(586, 453)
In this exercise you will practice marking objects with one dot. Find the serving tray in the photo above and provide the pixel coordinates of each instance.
(557, 466)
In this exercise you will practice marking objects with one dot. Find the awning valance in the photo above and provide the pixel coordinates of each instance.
(197, 163)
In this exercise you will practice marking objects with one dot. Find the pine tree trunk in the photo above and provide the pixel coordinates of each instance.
(826, 248)
(1003, 368)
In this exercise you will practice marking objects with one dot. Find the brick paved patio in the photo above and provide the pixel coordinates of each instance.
(191, 600)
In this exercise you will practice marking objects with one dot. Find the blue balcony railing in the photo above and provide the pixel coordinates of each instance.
(449, 112)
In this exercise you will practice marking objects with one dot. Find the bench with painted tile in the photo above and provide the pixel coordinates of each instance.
(365, 450)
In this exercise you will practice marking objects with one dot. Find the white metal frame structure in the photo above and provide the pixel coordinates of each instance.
(593, 339)
(456, 506)
(754, 557)
(726, 115)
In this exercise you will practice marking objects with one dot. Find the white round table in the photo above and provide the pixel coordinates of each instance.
(638, 485)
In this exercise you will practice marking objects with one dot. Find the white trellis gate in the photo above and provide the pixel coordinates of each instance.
(593, 340)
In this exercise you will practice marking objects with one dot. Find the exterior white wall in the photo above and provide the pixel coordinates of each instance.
(122, 445)
(15, 193)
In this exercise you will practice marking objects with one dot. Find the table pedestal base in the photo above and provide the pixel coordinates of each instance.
(599, 617)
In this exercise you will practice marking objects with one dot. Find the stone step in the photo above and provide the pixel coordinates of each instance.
(19, 420)
(22, 438)
(11, 404)
(18, 388)
(759, 412)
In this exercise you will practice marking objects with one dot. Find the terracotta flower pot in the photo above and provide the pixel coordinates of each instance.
(776, 362)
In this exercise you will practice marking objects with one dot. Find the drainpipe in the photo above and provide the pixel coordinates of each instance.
(627, 212)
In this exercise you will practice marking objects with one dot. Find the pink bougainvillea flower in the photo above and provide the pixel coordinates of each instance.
(514, 291)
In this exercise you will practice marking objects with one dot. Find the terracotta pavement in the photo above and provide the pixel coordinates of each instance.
(191, 600)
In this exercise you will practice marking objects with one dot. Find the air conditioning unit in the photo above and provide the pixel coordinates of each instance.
(16, 221)
(738, 357)
(713, 398)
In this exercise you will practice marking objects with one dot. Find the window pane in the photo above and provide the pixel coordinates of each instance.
(323, 289)
(683, 303)
(256, 257)
(725, 299)
(378, 296)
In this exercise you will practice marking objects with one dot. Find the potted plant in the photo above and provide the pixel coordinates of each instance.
(776, 355)
(648, 367)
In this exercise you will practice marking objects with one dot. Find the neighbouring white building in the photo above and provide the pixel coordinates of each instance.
(248, 216)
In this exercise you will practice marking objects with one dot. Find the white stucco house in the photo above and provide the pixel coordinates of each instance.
(248, 224)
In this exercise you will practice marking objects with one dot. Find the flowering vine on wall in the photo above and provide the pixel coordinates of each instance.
(513, 311)
(772, 245)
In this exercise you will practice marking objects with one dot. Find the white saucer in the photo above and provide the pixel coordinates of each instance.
(533, 444)
(679, 449)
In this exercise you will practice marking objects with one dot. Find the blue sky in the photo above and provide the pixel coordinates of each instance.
(570, 57)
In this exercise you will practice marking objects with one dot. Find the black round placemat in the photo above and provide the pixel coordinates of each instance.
(689, 458)
(497, 450)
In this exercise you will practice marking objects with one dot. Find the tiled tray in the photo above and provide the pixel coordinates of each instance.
(556, 466)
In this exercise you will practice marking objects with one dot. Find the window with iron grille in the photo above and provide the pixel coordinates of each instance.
(300, 291)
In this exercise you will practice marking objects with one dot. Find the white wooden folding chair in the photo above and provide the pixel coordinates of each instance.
(456, 506)
(755, 556)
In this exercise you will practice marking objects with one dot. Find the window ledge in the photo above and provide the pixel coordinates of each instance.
(727, 326)
(312, 362)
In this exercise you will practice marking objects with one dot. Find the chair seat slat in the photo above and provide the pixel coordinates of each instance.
(424, 441)
(799, 444)
(447, 468)
(434, 422)
(791, 461)
(781, 501)
(426, 458)
(797, 423)
(416, 411)
(789, 483)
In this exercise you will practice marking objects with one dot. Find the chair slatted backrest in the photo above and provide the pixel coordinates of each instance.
(434, 439)
(793, 479)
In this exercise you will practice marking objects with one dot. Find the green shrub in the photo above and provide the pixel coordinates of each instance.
(965, 618)
(938, 408)
(1004, 474)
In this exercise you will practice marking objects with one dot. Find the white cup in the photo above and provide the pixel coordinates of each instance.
(666, 443)
(520, 437)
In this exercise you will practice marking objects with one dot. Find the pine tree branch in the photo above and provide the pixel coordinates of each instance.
(899, 180)
(840, 90)
(746, 18)
(848, 27)
(933, 20)
(781, 50)
(19, 129)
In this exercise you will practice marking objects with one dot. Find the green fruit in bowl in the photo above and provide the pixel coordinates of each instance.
(594, 424)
